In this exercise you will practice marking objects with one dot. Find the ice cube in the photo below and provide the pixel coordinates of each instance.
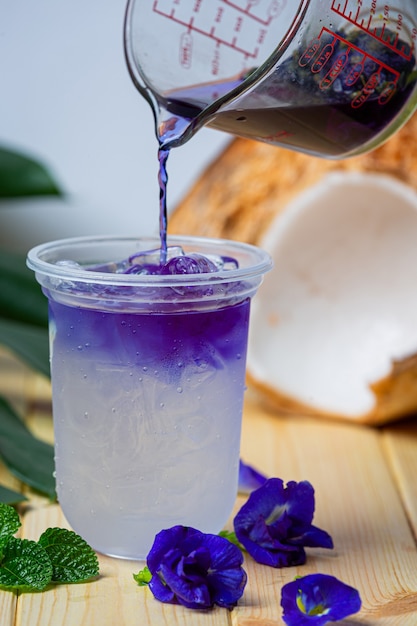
(68, 263)
(223, 262)
(149, 261)
(189, 264)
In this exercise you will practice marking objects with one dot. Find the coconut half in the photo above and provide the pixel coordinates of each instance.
(333, 328)
(334, 325)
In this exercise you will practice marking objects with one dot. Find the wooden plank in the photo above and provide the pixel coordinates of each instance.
(356, 502)
(8, 603)
(400, 441)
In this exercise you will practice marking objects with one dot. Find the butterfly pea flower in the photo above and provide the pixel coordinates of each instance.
(275, 524)
(195, 569)
(316, 599)
(249, 478)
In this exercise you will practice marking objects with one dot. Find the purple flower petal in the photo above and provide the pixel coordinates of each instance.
(314, 538)
(318, 599)
(249, 478)
(189, 592)
(195, 569)
(274, 525)
(160, 590)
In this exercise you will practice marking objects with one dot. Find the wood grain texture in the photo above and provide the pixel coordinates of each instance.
(400, 443)
(113, 599)
(357, 502)
(364, 480)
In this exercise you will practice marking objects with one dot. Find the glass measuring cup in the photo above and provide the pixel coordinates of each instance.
(332, 78)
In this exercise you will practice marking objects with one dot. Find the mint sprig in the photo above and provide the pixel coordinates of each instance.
(60, 556)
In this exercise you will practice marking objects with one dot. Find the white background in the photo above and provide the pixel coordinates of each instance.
(66, 98)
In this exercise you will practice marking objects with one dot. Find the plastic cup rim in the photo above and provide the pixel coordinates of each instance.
(262, 261)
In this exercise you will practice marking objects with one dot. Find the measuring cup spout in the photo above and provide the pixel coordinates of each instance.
(185, 71)
(172, 129)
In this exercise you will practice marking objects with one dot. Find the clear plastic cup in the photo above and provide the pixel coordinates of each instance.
(148, 378)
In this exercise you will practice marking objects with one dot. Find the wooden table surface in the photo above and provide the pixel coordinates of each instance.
(366, 497)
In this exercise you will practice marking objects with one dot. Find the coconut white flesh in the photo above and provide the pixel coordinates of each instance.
(341, 302)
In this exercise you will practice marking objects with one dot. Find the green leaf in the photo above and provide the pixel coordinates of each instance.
(30, 343)
(9, 524)
(25, 565)
(28, 458)
(143, 577)
(231, 536)
(21, 297)
(22, 176)
(72, 558)
(9, 496)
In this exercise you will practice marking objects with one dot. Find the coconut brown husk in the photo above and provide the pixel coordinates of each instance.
(240, 194)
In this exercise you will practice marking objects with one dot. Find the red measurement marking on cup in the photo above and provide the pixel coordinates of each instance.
(319, 56)
(272, 11)
(227, 22)
(380, 22)
(316, 54)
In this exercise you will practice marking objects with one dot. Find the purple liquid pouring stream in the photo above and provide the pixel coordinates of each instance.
(163, 212)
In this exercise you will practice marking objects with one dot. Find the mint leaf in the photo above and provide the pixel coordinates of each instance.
(9, 524)
(72, 559)
(25, 565)
(143, 577)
